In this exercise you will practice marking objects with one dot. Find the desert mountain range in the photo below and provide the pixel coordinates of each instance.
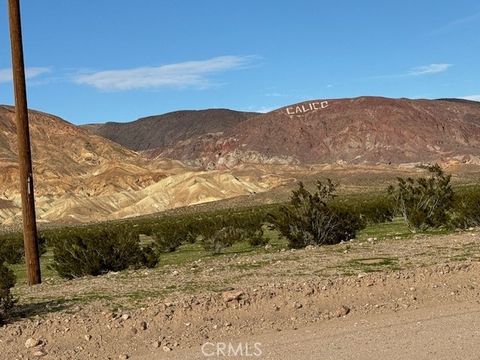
(371, 130)
(117, 170)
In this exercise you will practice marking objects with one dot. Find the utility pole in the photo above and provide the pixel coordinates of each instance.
(30, 240)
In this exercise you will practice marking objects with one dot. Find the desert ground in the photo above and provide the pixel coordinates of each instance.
(388, 293)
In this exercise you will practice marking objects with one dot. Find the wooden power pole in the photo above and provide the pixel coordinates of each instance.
(24, 151)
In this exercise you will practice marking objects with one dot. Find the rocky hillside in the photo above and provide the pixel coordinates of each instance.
(82, 177)
(164, 131)
(364, 130)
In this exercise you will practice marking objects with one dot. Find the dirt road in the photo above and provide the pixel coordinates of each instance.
(441, 332)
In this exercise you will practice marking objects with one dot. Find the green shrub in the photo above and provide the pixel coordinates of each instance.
(376, 210)
(309, 219)
(98, 250)
(170, 234)
(255, 237)
(221, 239)
(466, 211)
(11, 247)
(424, 202)
(7, 281)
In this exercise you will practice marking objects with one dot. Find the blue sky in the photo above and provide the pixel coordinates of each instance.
(118, 60)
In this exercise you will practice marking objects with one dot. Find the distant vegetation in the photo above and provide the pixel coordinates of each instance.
(318, 217)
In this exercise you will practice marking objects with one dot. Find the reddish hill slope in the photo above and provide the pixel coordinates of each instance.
(360, 130)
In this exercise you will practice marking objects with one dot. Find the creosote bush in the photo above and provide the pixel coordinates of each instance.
(221, 239)
(425, 202)
(310, 219)
(98, 250)
(7, 281)
(466, 211)
(11, 247)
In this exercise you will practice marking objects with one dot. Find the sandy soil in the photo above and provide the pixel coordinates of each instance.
(275, 297)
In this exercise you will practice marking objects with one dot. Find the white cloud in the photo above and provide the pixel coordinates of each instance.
(32, 72)
(428, 69)
(416, 71)
(471, 97)
(456, 23)
(185, 74)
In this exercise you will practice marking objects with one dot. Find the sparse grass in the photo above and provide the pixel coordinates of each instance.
(46, 261)
(373, 264)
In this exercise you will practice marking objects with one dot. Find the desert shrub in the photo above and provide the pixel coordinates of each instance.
(98, 250)
(466, 211)
(11, 247)
(372, 209)
(222, 238)
(310, 219)
(376, 210)
(171, 234)
(7, 281)
(425, 202)
(256, 237)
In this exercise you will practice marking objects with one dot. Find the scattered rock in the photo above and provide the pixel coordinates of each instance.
(166, 349)
(88, 337)
(232, 295)
(31, 343)
(39, 353)
(156, 344)
(297, 305)
(143, 325)
(342, 311)
(123, 357)
(175, 273)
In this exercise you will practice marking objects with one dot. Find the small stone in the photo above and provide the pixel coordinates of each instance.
(268, 247)
(39, 353)
(88, 337)
(123, 357)
(125, 317)
(175, 273)
(297, 305)
(134, 331)
(31, 343)
(228, 324)
(166, 349)
(342, 311)
(156, 344)
(143, 325)
(232, 295)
